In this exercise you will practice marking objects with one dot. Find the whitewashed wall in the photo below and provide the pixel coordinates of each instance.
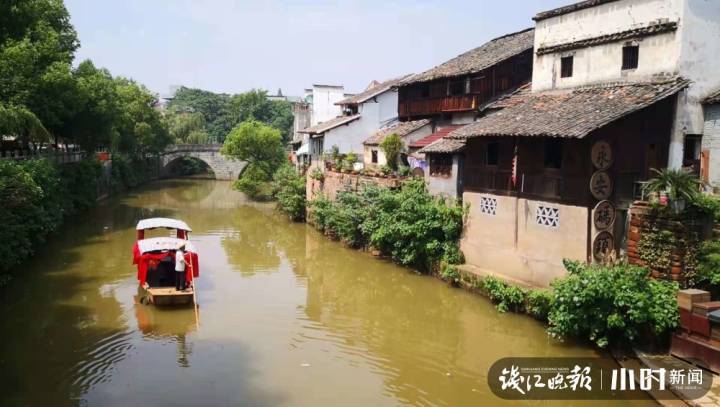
(323, 103)
(374, 114)
(711, 142)
(693, 52)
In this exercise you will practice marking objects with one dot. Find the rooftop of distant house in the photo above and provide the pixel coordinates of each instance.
(569, 9)
(373, 90)
(329, 124)
(480, 58)
(400, 128)
(572, 113)
(712, 98)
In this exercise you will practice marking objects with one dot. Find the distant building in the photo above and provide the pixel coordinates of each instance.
(551, 170)
(317, 105)
(362, 115)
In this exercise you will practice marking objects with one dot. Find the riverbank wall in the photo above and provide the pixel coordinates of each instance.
(335, 182)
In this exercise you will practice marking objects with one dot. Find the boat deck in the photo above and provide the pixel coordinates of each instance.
(169, 296)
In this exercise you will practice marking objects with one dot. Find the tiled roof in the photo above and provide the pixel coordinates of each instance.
(329, 124)
(440, 133)
(713, 98)
(372, 91)
(652, 29)
(509, 99)
(400, 128)
(570, 8)
(570, 113)
(480, 58)
(444, 146)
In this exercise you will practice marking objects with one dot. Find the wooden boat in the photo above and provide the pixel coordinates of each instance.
(155, 260)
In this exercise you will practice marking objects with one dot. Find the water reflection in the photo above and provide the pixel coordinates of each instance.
(288, 318)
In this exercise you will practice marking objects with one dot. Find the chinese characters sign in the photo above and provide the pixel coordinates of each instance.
(588, 379)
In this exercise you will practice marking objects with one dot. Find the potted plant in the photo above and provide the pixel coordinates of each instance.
(680, 186)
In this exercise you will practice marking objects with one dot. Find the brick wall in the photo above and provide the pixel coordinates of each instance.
(336, 181)
(643, 218)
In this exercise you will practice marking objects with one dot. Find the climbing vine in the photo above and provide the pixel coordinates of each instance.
(655, 248)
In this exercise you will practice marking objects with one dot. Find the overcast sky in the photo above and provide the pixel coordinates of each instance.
(232, 45)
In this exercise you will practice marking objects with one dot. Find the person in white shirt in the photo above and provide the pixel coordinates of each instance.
(180, 268)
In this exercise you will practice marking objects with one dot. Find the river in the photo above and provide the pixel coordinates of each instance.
(286, 317)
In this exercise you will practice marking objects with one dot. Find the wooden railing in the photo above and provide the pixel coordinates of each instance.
(420, 107)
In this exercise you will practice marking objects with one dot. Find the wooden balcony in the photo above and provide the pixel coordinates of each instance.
(428, 106)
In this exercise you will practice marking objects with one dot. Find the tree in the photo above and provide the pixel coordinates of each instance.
(34, 36)
(22, 123)
(139, 126)
(256, 143)
(185, 126)
(261, 146)
(221, 113)
(94, 124)
(392, 146)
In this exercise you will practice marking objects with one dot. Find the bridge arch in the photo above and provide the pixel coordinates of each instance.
(224, 168)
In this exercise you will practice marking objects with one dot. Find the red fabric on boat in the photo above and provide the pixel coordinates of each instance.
(149, 260)
(136, 253)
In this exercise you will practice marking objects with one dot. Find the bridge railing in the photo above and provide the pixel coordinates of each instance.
(193, 147)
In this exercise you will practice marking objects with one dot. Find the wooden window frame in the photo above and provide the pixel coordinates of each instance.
(566, 66)
(441, 165)
(630, 57)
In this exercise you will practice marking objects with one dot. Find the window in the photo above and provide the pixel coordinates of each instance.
(492, 154)
(691, 152)
(456, 88)
(374, 158)
(553, 153)
(566, 67)
(547, 216)
(440, 165)
(631, 56)
(488, 205)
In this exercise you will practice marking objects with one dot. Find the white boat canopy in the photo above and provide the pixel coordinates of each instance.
(163, 243)
(167, 223)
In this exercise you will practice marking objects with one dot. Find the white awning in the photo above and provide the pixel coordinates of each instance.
(303, 150)
(163, 243)
(167, 223)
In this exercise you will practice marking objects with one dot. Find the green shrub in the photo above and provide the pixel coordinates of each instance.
(708, 266)
(538, 303)
(392, 145)
(289, 190)
(320, 212)
(708, 204)
(385, 170)
(611, 305)
(81, 181)
(317, 174)
(449, 273)
(409, 225)
(413, 227)
(255, 183)
(36, 196)
(404, 171)
(507, 297)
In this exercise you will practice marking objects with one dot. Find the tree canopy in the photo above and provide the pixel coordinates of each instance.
(42, 98)
(222, 112)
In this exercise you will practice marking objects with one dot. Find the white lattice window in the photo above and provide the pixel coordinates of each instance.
(547, 216)
(488, 205)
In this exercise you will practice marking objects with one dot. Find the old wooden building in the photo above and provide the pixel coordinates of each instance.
(455, 90)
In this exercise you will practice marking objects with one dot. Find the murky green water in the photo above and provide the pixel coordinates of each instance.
(286, 318)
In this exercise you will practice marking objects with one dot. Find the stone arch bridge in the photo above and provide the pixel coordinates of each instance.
(224, 168)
